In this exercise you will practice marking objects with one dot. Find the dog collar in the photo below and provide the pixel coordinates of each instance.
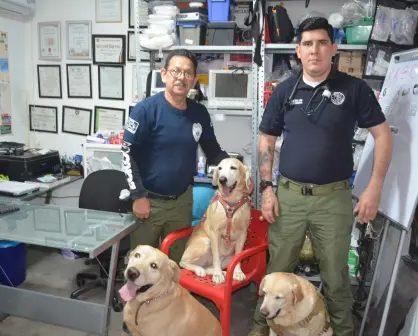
(148, 302)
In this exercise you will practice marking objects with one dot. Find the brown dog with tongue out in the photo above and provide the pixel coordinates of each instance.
(222, 232)
(156, 304)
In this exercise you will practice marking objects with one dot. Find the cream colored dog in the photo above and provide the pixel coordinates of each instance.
(157, 304)
(293, 306)
(222, 232)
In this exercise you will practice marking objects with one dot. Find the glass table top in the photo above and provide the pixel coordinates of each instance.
(62, 227)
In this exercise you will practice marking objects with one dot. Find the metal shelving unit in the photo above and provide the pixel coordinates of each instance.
(257, 110)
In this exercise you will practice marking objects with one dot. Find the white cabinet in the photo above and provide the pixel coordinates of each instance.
(101, 156)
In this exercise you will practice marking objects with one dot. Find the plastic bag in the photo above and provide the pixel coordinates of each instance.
(383, 24)
(404, 24)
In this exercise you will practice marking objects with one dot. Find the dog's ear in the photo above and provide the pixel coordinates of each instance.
(215, 177)
(297, 293)
(248, 180)
(175, 269)
(260, 289)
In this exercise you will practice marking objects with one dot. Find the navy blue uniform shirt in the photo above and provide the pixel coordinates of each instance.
(317, 149)
(160, 144)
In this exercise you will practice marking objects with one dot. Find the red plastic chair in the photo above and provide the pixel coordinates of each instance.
(253, 264)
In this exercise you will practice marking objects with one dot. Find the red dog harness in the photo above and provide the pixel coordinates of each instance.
(230, 210)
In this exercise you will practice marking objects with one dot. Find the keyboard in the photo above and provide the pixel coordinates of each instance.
(6, 208)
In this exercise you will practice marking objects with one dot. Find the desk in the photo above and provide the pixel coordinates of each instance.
(60, 227)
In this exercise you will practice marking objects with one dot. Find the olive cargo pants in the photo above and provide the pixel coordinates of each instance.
(328, 214)
(166, 217)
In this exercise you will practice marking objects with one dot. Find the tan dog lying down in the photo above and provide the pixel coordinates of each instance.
(222, 232)
(293, 306)
(157, 304)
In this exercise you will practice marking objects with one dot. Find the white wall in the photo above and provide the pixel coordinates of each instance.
(64, 10)
(18, 56)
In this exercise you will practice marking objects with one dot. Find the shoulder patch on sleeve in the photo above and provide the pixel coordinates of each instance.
(131, 125)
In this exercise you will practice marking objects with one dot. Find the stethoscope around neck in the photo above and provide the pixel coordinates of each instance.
(326, 94)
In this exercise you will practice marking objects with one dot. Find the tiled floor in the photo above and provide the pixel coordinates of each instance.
(48, 272)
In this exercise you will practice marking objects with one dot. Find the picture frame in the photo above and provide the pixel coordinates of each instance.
(43, 118)
(108, 11)
(44, 220)
(111, 82)
(49, 81)
(78, 37)
(76, 120)
(49, 41)
(78, 86)
(109, 49)
(108, 118)
(143, 15)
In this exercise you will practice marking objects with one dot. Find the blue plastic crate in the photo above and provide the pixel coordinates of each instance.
(218, 10)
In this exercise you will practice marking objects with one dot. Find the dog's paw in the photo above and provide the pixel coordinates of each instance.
(200, 272)
(219, 277)
(238, 274)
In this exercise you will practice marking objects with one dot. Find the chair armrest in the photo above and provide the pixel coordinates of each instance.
(238, 258)
(172, 237)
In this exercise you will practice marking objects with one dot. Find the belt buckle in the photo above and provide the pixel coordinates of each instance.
(307, 190)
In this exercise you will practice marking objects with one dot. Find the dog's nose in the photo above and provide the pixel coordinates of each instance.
(223, 180)
(132, 273)
(264, 312)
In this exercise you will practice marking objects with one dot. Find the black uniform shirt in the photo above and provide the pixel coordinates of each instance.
(317, 149)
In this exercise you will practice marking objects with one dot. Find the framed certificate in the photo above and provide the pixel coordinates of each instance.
(143, 12)
(49, 81)
(78, 40)
(111, 82)
(108, 11)
(109, 49)
(108, 118)
(79, 84)
(43, 118)
(144, 55)
(76, 120)
(49, 41)
(144, 69)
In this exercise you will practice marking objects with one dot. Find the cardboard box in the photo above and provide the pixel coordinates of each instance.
(351, 62)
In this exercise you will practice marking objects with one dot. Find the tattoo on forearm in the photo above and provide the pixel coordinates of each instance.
(265, 162)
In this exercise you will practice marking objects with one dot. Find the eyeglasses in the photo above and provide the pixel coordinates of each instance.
(177, 72)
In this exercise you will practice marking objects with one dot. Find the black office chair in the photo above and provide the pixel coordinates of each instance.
(100, 191)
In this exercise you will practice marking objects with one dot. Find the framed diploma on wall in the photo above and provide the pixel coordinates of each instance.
(43, 118)
(79, 83)
(108, 118)
(76, 120)
(49, 81)
(78, 40)
(111, 82)
(49, 41)
(109, 49)
(108, 11)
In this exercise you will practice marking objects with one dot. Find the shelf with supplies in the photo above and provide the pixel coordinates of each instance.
(237, 49)
(285, 48)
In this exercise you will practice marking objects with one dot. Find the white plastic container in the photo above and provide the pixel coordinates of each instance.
(201, 167)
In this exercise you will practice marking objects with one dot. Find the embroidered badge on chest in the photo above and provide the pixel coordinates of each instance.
(337, 98)
(197, 131)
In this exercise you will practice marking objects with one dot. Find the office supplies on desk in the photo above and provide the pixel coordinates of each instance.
(14, 188)
(6, 208)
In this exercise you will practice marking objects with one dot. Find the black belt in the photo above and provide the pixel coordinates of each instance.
(162, 197)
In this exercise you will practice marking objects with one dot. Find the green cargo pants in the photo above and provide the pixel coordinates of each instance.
(328, 214)
(166, 217)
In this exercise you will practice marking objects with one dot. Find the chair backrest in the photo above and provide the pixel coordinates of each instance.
(257, 235)
(101, 190)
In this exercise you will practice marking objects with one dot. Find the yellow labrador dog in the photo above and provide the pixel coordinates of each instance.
(157, 304)
(293, 306)
(222, 232)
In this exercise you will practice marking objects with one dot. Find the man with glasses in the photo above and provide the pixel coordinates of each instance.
(159, 154)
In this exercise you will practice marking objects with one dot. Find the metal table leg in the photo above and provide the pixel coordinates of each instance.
(110, 289)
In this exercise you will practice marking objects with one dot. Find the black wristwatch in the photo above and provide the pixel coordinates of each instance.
(264, 184)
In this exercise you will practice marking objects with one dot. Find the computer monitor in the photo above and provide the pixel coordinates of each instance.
(157, 84)
(230, 89)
